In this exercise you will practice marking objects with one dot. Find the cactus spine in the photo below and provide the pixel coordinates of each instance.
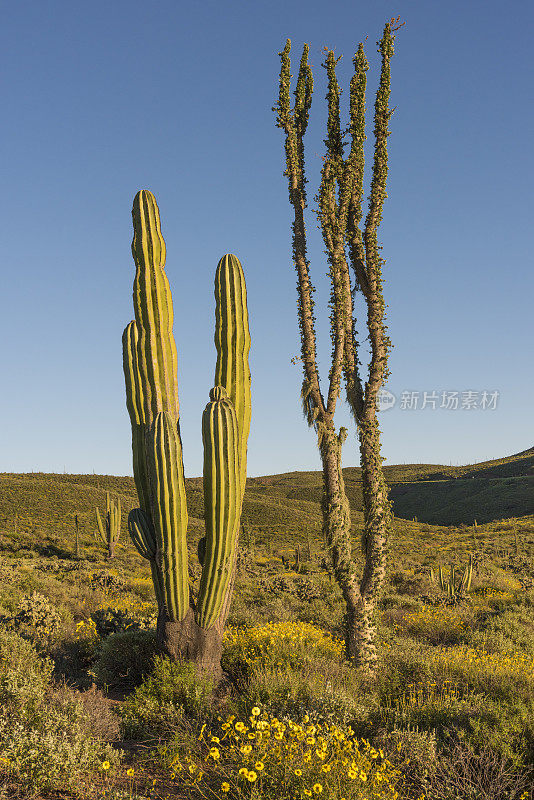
(110, 530)
(159, 527)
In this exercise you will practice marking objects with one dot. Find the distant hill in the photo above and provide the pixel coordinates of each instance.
(39, 506)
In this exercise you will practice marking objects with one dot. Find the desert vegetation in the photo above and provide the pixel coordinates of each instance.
(91, 710)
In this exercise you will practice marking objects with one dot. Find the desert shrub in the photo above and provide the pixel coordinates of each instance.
(504, 675)
(53, 749)
(462, 773)
(42, 736)
(125, 658)
(38, 612)
(99, 721)
(73, 657)
(291, 644)
(510, 630)
(36, 619)
(405, 583)
(117, 620)
(24, 675)
(439, 625)
(106, 579)
(430, 706)
(303, 692)
(267, 757)
(414, 753)
(171, 690)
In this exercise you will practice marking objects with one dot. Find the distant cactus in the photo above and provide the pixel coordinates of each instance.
(110, 530)
(455, 589)
(77, 549)
(188, 627)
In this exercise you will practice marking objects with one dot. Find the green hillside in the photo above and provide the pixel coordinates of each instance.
(449, 669)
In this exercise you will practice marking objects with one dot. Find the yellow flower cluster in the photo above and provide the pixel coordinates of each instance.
(510, 666)
(86, 630)
(255, 643)
(433, 621)
(494, 594)
(270, 751)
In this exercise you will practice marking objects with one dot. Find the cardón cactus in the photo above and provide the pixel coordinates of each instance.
(159, 527)
(110, 530)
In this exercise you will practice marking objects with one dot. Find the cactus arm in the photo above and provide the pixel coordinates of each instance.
(469, 573)
(142, 533)
(232, 340)
(156, 350)
(119, 515)
(222, 503)
(135, 405)
(150, 366)
(143, 536)
(100, 526)
(169, 512)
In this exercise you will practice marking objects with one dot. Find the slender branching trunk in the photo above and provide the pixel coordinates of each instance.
(339, 217)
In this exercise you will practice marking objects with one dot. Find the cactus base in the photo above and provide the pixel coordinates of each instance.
(185, 641)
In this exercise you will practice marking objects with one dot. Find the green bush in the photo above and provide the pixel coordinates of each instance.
(118, 620)
(125, 658)
(414, 752)
(158, 705)
(42, 737)
(24, 675)
(74, 657)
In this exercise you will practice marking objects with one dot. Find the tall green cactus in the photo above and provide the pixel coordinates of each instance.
(110, 530)
(159, 527)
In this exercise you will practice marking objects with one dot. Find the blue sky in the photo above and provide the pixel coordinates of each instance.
(102, 99)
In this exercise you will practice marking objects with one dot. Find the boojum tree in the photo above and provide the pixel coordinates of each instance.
(340, 218)
(189, 628)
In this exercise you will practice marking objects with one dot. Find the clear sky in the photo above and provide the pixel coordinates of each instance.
(102, 99)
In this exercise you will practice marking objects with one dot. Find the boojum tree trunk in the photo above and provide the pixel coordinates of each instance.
(189, 628)
(340, 217)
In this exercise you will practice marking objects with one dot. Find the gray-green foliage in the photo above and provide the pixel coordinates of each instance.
(125, 658)
(116, 620)
(42, 737)
(166, 694)
(36, 611)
